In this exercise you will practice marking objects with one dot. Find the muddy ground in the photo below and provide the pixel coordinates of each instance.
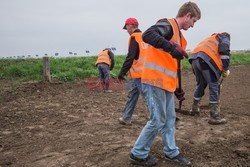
(65, 124)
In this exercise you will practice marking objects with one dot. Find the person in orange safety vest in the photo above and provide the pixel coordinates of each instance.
(159, 82)
(210, 62)
(133, 66)
(105, 63)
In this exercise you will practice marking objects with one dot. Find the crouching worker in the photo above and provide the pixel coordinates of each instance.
(105, 63)
(210, 61)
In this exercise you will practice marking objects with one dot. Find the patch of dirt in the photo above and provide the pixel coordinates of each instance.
(66, 124)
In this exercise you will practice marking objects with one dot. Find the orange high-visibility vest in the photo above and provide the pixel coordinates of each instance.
(103, 57)
(160, 68)
(210, 47)
(136, 69)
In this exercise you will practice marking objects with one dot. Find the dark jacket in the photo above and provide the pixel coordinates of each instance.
(224, 50)
(112, 57)
(159, 35)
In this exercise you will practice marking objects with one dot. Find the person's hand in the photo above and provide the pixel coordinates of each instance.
(225, 74)
(121, 78)
(179, 93)
(178, 53)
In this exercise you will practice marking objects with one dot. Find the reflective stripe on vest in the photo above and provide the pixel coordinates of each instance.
(136, 69)
(160, 65)
(140, 60)
(103, 57)
(210, 47)
(161, 69)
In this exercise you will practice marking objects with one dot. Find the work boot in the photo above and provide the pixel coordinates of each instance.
(195, 108)
(215, 117)
(124, 122)
(149, 161)
(180, 160)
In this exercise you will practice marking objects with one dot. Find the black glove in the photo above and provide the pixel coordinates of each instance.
(121, 78)
(179, 93)
(177, 52)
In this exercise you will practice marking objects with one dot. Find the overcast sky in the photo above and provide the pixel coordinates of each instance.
(30, 27)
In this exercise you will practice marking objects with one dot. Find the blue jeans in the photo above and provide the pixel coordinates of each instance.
(104, 74)
(135, 85)
(160, 104)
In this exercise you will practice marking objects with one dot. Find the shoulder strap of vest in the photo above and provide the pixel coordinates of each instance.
(176, 30)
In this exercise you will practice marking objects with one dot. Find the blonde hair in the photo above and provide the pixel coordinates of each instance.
(189, 7)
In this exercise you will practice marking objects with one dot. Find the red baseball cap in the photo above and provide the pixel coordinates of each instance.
(130, 21)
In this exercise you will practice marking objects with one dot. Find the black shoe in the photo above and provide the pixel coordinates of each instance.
(149, 161)
(123, 121)
(179, 159)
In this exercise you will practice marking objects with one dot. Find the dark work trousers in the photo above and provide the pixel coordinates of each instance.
(104, 74)
(205, 76)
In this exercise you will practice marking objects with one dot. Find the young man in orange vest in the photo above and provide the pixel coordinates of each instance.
(133, 65)
(210, 59)
(105, 63)
(159, 82)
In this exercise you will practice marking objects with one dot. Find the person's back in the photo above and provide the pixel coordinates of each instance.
(105, 62)
(209, 60)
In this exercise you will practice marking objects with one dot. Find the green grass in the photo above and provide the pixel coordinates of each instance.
(31, 69)
(68, 69)
(240, 58)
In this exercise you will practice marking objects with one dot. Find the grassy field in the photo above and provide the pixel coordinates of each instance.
(68, 69)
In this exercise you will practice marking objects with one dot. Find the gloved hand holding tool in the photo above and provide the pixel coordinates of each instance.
(224, 75)
(179, 53)
(179, 93)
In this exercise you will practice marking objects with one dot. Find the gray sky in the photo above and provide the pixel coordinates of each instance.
(30, 27)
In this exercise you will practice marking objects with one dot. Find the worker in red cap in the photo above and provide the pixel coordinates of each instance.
(133, 66)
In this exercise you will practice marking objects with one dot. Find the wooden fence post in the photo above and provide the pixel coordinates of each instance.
(46, 69)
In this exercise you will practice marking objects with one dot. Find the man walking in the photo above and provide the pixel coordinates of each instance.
(159, 81)
(133, 65)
